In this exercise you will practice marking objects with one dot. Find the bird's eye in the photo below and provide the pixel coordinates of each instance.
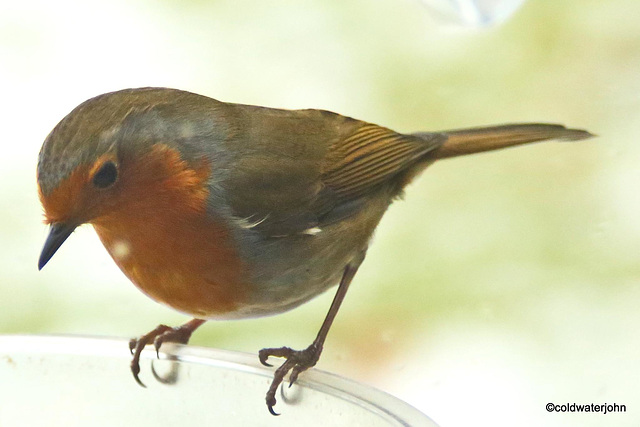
(106, 175)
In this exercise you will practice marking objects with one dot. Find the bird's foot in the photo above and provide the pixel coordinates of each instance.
(297, 362)
(160, 335)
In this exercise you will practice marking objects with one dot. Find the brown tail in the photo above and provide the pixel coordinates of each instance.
(475, 140)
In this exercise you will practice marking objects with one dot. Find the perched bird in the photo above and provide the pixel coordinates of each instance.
(229, 211)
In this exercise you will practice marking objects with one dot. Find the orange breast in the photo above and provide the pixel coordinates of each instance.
(161, 236)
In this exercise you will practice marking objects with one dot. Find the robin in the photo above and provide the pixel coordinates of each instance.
(229, 211)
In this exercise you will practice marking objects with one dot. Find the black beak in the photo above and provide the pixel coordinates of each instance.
(58, 233)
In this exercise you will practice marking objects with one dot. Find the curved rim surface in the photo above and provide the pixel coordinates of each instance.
(372, 399)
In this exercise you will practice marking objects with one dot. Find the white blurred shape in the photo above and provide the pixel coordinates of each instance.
(473, 13)
(121, 250)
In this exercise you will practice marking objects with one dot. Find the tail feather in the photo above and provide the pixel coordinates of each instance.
(475, 140)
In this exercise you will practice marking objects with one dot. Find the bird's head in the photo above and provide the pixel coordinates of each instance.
(110, 155)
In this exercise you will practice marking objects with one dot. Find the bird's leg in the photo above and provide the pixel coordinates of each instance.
(301, 360)
(159, 335)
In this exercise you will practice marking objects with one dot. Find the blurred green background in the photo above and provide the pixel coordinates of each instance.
(503, 281)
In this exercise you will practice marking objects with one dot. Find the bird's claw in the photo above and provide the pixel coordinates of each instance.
(136, 345)
(270, 405)
(297, 361)
(135, 370)
(263, 355)
(157, 343)
(160, 335)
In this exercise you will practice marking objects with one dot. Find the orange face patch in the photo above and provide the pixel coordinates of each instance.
(67, 198)
(161, 169)
(154, 222)
(160, 234)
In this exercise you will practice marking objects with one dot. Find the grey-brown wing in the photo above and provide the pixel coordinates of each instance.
(301, 169)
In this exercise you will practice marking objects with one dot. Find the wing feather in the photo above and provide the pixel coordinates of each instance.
(371, 156)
